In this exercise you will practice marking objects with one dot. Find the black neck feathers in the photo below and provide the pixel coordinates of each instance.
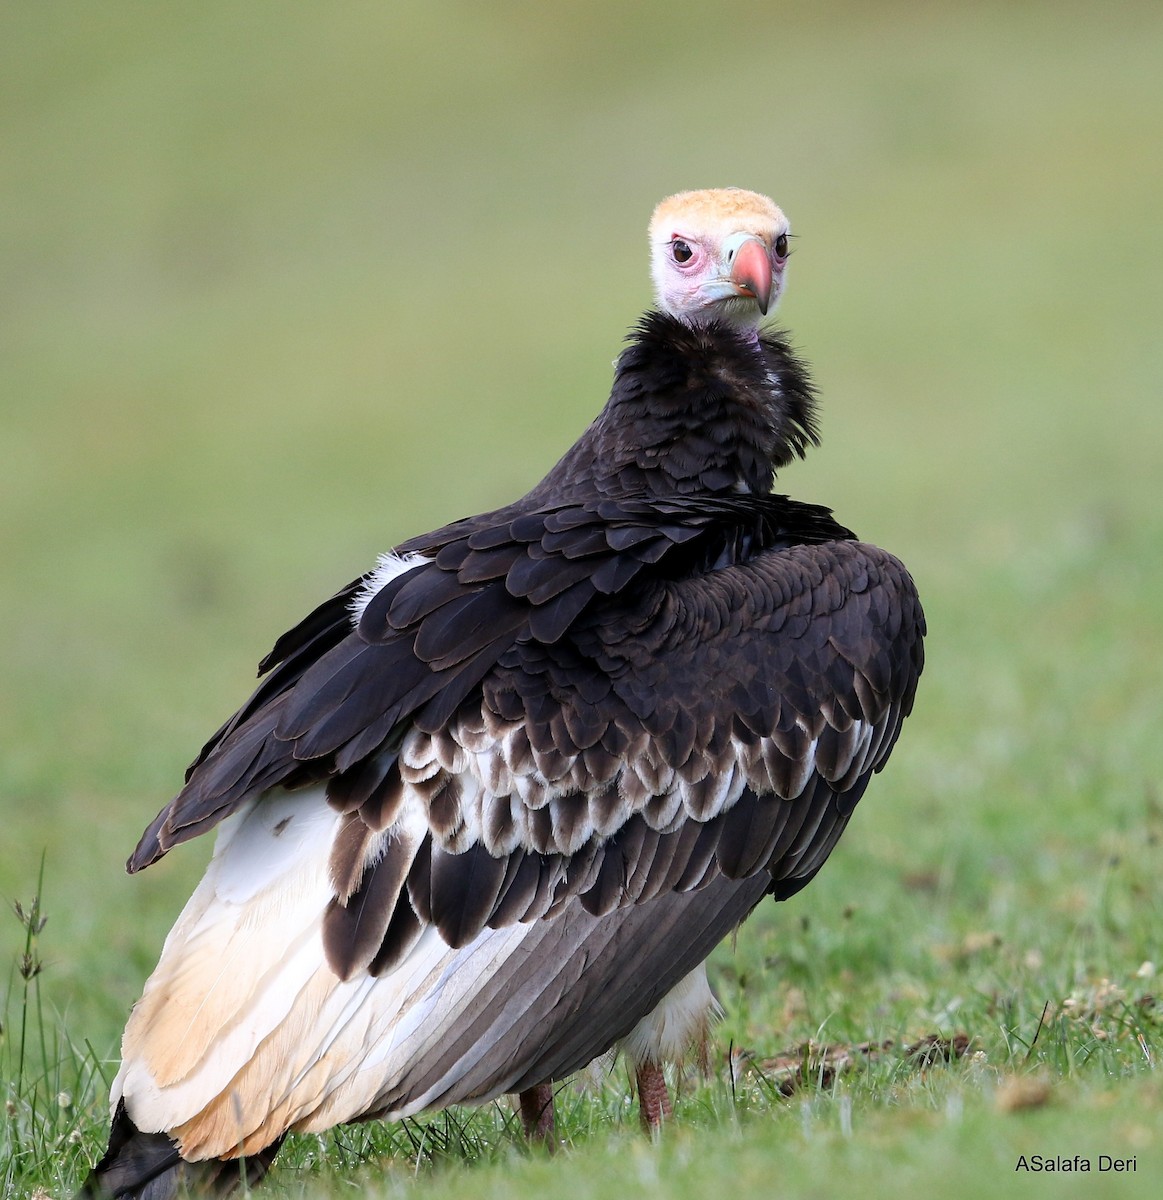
(703, 410)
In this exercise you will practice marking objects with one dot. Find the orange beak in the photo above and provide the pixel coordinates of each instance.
(751, 272)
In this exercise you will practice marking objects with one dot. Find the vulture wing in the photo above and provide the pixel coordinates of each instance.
(575, 740)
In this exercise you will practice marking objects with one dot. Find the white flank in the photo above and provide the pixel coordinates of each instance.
(678, 1023)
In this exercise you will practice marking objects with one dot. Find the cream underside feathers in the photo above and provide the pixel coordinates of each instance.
(242, 980)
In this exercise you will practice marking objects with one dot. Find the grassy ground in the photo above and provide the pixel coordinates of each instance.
(282, 285)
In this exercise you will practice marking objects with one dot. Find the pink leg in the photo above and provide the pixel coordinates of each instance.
(653, 1098)
(536, 1105)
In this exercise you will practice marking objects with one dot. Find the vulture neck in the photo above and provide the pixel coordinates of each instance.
(693, 410)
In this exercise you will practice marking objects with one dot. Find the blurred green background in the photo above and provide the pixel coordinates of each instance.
(281, 284)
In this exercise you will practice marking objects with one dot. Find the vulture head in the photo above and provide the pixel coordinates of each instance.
(718, 255)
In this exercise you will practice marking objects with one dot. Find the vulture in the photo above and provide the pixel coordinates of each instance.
(494, 803)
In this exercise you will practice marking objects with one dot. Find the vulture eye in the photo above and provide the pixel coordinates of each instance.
(781, 245)
(680, 251)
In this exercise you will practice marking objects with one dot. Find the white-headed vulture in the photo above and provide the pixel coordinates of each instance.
(494, 803)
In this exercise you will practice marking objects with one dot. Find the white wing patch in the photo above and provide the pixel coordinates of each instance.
(389, 566)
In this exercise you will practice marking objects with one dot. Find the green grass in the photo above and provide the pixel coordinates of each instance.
(282, 285)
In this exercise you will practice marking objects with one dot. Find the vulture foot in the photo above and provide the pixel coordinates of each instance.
(653, 1099)
(536, 1108)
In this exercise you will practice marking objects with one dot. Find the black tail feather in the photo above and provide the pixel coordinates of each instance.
(148, 1166)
